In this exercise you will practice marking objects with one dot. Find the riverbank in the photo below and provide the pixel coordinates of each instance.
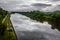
(9, 33)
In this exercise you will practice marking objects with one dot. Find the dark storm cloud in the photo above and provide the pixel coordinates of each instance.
(40, 4)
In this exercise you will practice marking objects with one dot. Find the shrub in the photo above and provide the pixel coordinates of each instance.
(2, 29)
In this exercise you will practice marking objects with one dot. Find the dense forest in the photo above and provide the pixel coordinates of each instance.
(52, 18)
(6, 28)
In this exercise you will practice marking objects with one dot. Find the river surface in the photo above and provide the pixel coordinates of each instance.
(28, 29)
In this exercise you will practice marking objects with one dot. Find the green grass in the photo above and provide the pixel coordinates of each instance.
(9, 33)
(9, 36)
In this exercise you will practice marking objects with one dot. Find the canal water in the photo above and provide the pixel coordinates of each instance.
(28, 29)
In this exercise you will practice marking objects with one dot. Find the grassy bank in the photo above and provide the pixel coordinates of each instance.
(9, 33)
(6, 28)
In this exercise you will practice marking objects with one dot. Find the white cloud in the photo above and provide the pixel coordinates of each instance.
(14, 5)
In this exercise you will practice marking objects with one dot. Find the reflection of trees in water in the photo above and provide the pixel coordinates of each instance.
(55, 21)
(55, 25)
(52, 18)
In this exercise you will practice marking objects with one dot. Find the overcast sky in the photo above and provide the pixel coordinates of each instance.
(29, 5)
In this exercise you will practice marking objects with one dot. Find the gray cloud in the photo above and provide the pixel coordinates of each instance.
(25, 5)
(55, 0)
(47, 0)
(52, 8)
(40, 4)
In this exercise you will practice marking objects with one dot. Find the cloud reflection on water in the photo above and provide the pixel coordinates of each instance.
(23, 24)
